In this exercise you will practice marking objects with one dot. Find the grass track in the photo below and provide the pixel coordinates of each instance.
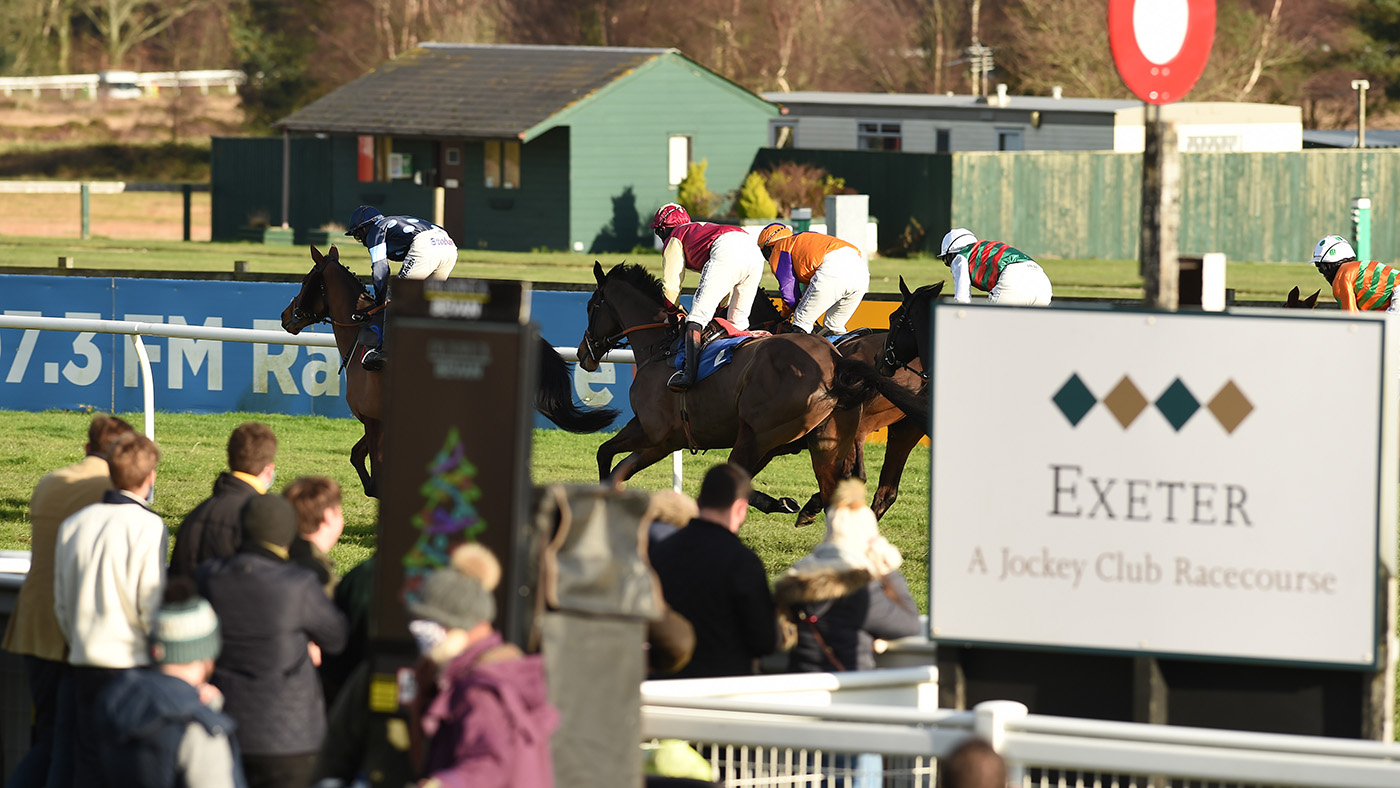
(193, 452)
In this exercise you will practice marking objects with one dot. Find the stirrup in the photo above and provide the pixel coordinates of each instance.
(674, 384)
(373, 360)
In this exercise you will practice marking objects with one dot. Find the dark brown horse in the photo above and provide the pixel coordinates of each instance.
(1294, 302)
(904, 433)
(329, 294)
(776, 391)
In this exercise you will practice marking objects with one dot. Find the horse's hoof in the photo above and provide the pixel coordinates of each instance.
(789, 505)
(805, 519)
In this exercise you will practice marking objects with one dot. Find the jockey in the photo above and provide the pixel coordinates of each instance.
(835, 272)
(1357, 286)
(729, 264)
(425, 249)
(1009, 275)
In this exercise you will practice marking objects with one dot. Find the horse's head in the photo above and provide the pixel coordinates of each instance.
(625, 299)
(763, 315)
(909, 324)
(310, 305)
(1294, 302)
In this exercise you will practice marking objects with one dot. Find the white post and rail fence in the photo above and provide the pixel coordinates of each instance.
(137, 330)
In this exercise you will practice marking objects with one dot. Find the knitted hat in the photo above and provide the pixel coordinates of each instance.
(270, 519)
(185, 632)
(853, 539)
(459, 596)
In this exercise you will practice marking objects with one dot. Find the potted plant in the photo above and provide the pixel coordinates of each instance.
(259, 229)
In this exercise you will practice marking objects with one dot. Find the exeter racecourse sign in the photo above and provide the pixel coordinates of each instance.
(1219, 486)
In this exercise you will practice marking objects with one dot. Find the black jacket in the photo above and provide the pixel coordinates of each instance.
(713, 579)
(268, 610)
(851, 610)
(212, 529)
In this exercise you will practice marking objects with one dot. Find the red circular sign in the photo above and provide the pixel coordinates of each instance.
(1170, 77)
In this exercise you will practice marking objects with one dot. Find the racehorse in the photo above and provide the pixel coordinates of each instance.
(1294, 302)
(907, 343)
(904, 433)
(775, 391)
(329, 294)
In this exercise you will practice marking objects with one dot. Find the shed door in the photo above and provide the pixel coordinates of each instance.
(454, 221)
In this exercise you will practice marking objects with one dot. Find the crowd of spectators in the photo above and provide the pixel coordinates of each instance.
(204, 672)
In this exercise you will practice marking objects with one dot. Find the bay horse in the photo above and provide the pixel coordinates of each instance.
(776, 391)
(1294, 302)
(329, 293)
(904, 433)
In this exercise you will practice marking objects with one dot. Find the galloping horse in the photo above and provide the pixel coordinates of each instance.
(1294, 302)
(775, 391)
(904, 433)
(328, 294)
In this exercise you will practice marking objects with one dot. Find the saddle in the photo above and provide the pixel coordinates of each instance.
(719, 328)
(849, 336)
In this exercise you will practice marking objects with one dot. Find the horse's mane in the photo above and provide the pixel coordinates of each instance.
(637, 276)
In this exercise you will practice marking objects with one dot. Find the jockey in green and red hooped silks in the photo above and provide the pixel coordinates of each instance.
(1008, 275)
(729, 264)
(425, 250)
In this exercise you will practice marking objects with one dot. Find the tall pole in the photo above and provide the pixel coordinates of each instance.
(1361, 206)
(1161, 211)
(1360, 86)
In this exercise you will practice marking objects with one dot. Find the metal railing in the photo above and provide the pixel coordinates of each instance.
(753, 736)
(87, 84)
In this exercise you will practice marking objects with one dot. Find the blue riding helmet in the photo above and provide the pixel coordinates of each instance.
(363, 216)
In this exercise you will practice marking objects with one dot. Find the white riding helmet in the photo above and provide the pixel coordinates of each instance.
(956, 238)
(1332, 249)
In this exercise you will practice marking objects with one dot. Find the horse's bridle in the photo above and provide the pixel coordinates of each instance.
(298, 314)
(887, 353)
(598, 348)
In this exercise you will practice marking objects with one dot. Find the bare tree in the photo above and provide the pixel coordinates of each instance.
(124, 24)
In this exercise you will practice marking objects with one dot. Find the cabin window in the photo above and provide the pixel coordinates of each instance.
(501, 164)
(877, 135)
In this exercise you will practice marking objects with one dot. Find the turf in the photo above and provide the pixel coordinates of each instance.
(192, 449)
(1072, 278)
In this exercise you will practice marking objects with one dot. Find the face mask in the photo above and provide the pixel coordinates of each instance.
(427, 634)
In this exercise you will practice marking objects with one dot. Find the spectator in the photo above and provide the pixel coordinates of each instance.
(320, 522)
(670, 639)
(484, 719)
(33, 630)
(353, 596)
(847, 592)
(709, 576)
(974, 764)
(275, 620)
(212, 530)
(161, 727)
(671, 510)
(109, 571)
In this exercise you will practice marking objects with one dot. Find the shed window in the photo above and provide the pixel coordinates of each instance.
(943, 140)
(782, 134)
(1010, 139)
(501, 164)
(877, 136)
(677, 158)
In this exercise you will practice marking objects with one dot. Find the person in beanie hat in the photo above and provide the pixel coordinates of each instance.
(275, 621)
(482, 718)
(836, 600)
(160, 726)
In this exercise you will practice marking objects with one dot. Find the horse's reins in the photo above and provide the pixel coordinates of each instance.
(299, 314)
(887, 352)
(598, 349)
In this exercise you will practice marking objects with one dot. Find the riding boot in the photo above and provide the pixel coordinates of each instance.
(685, 378)
(373, 360)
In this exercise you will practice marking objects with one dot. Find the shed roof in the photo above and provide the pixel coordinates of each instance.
(468, 90)
(817, 98)
(1346, 138)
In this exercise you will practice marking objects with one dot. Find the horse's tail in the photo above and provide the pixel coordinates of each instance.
(555, 398)
(855, 383)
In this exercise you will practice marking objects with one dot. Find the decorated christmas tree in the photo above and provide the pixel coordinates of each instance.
(448, 517)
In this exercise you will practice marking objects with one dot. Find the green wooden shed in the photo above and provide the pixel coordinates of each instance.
(554, 147)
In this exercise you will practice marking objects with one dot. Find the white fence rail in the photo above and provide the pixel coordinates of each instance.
(68, 84)
(316, 339)
(95, 187)
(788, 730)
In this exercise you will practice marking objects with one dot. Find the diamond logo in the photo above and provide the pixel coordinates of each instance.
(1125, 402)
(1230, 406)
(1074, 399)
(1177, 404)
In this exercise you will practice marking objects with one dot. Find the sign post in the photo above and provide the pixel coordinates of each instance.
(457, 417)
(1160, 48)
(1171, 553)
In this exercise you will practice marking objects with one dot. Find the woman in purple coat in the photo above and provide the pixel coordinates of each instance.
(484, 720)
